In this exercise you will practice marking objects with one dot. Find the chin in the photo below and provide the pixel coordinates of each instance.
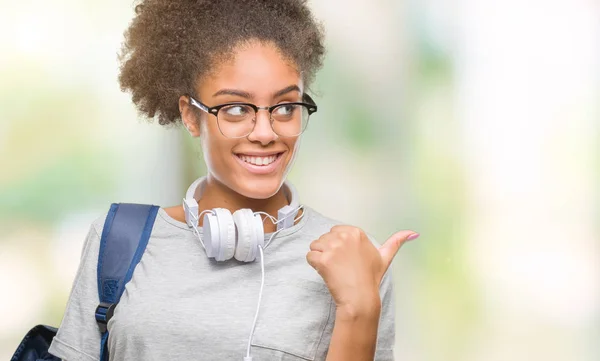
(252, 185)
(259, 187)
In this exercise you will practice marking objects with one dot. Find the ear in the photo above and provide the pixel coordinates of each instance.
(189, 116)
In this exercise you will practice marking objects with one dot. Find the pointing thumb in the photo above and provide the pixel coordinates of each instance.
(389, 249)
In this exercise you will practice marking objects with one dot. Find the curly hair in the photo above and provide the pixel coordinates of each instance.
(172, 44)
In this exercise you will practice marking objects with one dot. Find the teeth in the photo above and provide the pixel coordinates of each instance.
(262, 161)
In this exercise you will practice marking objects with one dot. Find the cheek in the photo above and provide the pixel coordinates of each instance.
(215, 147)
(294, 147)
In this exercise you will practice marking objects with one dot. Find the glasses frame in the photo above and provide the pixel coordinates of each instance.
(308, 102)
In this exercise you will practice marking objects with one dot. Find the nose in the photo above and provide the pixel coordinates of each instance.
(263, 131)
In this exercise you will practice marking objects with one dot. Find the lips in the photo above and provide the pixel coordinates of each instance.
(260, 163)
(258, 160)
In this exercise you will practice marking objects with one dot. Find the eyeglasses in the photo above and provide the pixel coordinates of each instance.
(237, 120)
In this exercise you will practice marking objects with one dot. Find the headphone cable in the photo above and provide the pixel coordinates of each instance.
(262, 285)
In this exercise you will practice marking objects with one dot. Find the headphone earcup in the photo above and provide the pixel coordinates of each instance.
(246, 241)
(259, 235)
(226, 245)
(210, 235)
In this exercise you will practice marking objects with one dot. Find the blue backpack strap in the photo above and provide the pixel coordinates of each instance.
(124, 239)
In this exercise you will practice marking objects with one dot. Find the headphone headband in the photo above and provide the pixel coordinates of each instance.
(194, 192)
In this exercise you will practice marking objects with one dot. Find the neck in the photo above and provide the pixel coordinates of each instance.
(218, 195)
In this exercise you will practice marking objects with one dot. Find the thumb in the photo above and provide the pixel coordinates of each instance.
(389, 249)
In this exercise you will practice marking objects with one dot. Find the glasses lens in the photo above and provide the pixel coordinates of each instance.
(236, 120)
(290, 120)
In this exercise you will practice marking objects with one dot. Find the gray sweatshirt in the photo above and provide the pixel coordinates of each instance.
(180, 305)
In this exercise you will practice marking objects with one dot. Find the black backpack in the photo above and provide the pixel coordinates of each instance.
(125, 236)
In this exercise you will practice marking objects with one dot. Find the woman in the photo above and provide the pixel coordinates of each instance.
(235, 73)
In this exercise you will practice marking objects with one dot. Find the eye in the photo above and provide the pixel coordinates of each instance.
(285, 109)
(236, 110)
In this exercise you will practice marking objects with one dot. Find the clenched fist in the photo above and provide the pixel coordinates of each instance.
(352, 267)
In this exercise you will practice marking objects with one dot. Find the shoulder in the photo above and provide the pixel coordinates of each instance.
(98, 224)
(176, 212)
(166, 217)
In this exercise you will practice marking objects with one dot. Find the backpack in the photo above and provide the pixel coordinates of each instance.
(124, 239)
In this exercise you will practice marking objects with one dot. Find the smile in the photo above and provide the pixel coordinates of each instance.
(260, 161)
(262, 164)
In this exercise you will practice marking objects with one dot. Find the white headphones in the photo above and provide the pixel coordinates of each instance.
(239, 235)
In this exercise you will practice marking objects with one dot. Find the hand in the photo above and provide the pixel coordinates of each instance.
(352, 267)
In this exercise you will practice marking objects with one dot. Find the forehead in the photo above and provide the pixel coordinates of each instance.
(255, 67)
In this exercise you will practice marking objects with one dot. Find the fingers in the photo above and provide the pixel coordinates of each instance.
(390, 248)
(337, 237)
(318, 245)
(346, 232)
(314, 259)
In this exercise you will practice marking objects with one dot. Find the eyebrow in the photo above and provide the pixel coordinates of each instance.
(234, 92)
(244, 94)
(289, 89)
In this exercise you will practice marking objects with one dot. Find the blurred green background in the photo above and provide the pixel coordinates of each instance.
(474, 123)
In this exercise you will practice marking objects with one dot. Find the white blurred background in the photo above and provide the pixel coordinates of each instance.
(475, 123)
